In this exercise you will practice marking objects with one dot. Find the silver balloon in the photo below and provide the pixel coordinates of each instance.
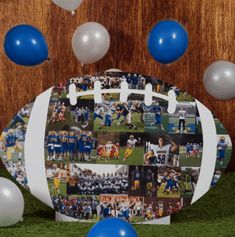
(90, 42)
(70, 5)
(219, 80)
(113, 70)
(11, 203)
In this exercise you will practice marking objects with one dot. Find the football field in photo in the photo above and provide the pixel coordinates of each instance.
(186, 189)
(136, 158)
(76, 160)
(219, 127)
(192, 161)
(161, 194)
(69, 122)
(62, 188)
(228, 154)
(17, 155)
(149, 119)
(116, 127)
(190, 126)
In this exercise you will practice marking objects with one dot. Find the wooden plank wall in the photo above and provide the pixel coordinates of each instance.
(210, 23)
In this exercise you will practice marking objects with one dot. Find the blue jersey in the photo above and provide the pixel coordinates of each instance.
(72, 140)
(169, 183)
(57, 140)
(10, 140)
(64, 140)
(157, 109)
(50, 139)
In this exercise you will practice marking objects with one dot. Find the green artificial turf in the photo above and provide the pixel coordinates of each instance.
(121, 127)
(213, 215)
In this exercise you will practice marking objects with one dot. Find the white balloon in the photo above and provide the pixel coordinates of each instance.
(90, 42)
(113, 70)
(70, 5)
(219, 80)
(11, 203)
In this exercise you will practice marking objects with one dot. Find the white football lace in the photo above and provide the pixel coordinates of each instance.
(124, 92)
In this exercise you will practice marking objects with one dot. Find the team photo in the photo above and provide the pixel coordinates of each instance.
(89, 179)
(72, 145)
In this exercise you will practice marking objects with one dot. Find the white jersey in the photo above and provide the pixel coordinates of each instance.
(24, 112)
(131, 143)
(108, 147)
(182, 114)
(99, 111)
(57, 173)
(161, 153)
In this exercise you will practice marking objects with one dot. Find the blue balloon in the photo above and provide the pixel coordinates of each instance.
(25, 45)
(112, 227)
(167, 41)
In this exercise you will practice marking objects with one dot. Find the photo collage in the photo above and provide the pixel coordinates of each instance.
(123, 159)
(120, 159)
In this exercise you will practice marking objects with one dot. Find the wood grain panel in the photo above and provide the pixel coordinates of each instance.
(210, 23)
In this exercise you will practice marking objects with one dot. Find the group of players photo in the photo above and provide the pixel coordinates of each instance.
(128, 208)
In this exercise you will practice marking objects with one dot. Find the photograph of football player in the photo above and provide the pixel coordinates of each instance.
(91, 179)
(183, 121)
(57, 177)
(168, 182)
(62, 115)
(156, 117)
(190, 150)
(216, 178)
(119, 116)
(21, 117)
(108, 147)
(160, 150)
(58, 112)
(73, 145)
(189, 178)
(143, 181)
(10, 145)
(224, 151)
(221, 149)
(161, 207)
(130, 146)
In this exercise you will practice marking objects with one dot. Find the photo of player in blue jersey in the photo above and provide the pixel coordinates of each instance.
(224, 150)
(70, 145)
(156, 117)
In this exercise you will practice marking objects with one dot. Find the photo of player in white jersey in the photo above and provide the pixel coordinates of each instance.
(130, 146)
(119, 116)
(56, 176)
(159, 153)
(183, 121)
